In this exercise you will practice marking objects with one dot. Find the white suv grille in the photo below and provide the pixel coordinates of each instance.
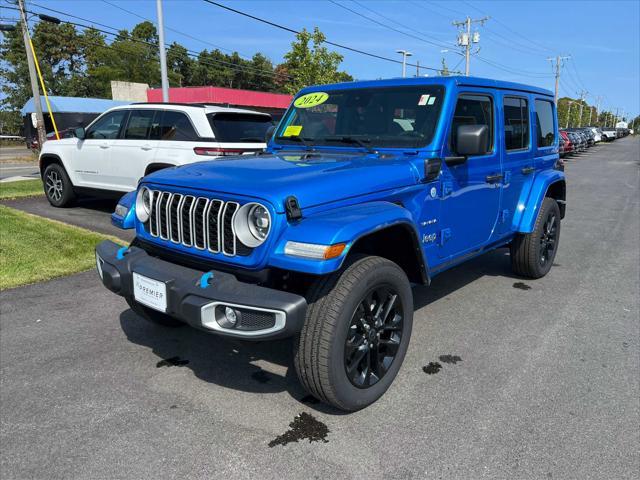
(197, 222)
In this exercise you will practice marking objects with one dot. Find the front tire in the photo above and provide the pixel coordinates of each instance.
(532, 254)
(356, 333)
(57, 186)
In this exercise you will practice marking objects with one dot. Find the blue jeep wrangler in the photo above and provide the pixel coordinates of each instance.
(365, 189)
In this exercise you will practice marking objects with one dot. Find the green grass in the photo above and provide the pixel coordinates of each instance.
(33, 249)
(20, 188)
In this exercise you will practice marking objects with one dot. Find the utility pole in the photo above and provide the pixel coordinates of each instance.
(615, 119)
(569, 113)
(583, 95)
(404, 54)
(465, 39)
(42, 134)
(598, 100)
(417, 68)
(163, 54)
(559, 62)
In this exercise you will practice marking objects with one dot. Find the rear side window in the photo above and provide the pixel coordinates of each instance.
(239, 127)
(516, 123)
(472, 110)
(108, 126)
(171, 125)
(545, 123)
(139, 124)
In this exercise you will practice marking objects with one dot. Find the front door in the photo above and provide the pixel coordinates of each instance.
(93, 154)
(470, 190)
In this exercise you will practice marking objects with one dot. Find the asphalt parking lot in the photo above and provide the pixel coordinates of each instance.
(538, 379)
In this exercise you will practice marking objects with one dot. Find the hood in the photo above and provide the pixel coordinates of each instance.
(313, 177)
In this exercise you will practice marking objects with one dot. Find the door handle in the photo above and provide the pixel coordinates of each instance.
(493, 178)
(527, 170)
(104, 145)
(146, 147)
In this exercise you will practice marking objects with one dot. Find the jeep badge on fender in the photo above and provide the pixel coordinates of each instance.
(365, 189)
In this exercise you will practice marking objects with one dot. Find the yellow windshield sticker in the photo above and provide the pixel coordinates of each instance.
(311, 99)
(292, 131)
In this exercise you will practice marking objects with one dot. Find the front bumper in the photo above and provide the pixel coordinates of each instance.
(191, 303)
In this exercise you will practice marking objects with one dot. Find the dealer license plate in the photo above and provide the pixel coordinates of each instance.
(150, 292)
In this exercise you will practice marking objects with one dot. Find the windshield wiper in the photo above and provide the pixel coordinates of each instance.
(349, 139)
(299, 139)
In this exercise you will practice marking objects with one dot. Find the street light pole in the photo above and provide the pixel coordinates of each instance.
(404, 54)
(42, 135)
(163, 54)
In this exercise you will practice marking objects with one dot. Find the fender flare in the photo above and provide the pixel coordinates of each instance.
(524, 218)
(341, 225)
(157, 166)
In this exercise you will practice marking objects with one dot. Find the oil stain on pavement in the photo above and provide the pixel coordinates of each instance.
(304, 426)
(521, 286)
(172, 362)
(453, 359)
(432, 368)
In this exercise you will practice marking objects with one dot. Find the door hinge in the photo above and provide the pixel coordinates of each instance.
(507, 177)
(505, 215)
(445, 235)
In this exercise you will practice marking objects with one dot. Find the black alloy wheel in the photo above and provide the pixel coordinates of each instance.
(374, 337)
(549, 238)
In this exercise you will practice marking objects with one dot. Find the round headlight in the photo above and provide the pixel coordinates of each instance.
(252, 224)
(143, 204)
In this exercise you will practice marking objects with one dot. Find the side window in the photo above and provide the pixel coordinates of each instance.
(173, 126)
(516, 123)
(472, 110)
(139, 125)
(545, 123)
(108, 126)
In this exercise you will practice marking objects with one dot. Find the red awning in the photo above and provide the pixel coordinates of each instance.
(222, 96)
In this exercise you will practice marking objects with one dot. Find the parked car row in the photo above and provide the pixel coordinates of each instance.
(578, 140)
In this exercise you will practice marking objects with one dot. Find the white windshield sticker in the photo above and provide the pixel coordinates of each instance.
(431, 101)
(423, 99)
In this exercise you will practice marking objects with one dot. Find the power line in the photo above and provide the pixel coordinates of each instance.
(205, 42)
(190, 53)
(296, 32)
(389, 27)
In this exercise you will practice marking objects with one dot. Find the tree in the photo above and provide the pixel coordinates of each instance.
(309, 63)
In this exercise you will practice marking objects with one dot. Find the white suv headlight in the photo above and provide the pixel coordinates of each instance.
(252, 224)
(143, 204)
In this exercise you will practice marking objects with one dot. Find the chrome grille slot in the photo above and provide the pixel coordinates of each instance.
(163, 214)
(214, 212)
(228, 238)
(174, 225)
(153, 222)
(199, 222)
(186, 214)
(196, 222)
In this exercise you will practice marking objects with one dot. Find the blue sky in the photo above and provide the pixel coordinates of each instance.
(603, 37)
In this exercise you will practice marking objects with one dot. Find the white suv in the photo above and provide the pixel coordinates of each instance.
(128, 142)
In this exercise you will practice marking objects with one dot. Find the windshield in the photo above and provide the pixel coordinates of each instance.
(240, 127)
(394, 117)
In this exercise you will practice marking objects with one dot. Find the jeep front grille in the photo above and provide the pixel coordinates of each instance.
(196, 222)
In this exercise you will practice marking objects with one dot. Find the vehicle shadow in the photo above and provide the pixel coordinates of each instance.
(231, 363)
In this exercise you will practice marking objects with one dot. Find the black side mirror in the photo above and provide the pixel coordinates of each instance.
(79, 133)
(472, 140)
(269, 133)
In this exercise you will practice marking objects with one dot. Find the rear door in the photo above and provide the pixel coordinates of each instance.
(517, 156)
(471, 190)
(546, 128)
(176, 138)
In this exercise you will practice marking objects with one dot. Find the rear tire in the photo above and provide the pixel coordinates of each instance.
(347, 355)
(532, 254)
(154, 316)
(57, 186)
